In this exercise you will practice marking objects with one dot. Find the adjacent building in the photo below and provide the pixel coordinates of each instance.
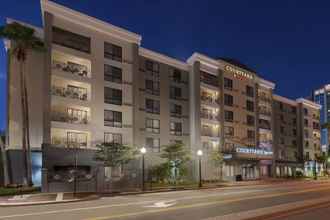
(96, 83)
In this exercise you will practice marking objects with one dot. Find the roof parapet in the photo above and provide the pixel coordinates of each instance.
(308, 103)
(205, 60)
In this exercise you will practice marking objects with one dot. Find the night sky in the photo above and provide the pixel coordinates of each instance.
(287, 42)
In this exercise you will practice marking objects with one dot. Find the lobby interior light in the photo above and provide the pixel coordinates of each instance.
(143, 150)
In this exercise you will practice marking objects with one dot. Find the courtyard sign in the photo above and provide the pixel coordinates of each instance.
(238, 73)
(246, 150)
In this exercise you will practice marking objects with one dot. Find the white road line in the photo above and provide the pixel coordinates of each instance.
(76, 209)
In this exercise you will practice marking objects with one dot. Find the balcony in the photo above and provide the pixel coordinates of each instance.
(209, 99)
(71, 68)
(265, 98)
(210, 131)
(71, 92)
(64, 143)
(265, 112)
(210, 116)
(72, 116)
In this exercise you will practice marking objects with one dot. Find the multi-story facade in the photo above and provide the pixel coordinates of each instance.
(322, 97)
(297, 135)
(95, 84)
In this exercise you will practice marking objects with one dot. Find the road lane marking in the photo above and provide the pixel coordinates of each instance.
(162, 204)
(206, 204)
(146, 202)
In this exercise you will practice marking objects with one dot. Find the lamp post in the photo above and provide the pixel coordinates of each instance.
(143, 151)
(200, 154)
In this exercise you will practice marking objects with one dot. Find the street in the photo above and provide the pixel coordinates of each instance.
(287, 200)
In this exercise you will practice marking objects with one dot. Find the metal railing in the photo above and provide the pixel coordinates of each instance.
(71, 67)
(73, 93)
(65, 117)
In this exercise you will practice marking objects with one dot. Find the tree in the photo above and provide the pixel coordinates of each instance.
(4, 159)
(176, 156)
(23, 41)
(114, 154)
(217, 159)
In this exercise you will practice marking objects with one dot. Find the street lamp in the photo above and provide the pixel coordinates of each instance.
(143, 151)
(200, 154)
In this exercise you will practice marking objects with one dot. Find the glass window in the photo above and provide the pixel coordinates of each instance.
(112, 73)
(112, 138)
(152, 66)
(152, 106)
(112, 118)
(228, 83)
(229, 100)
(152, 125)
(175, 110)
(152, 87)
(153, 144)
(249, 105)
(176, 128)
(250, 134)
(229, 131)
(71, 40)
(249, 91)
(76, 139)
(77, 116)
(250, 120)
(175, 92)
(112, 96)
(209, 79)
(229, 116)
(112, 52)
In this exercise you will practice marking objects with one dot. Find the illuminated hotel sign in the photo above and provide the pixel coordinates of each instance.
(245, 150)
(238, 73)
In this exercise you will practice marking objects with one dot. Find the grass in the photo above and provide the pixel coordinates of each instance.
(18, 191)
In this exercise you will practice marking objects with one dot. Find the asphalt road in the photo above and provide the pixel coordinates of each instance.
(211, 204)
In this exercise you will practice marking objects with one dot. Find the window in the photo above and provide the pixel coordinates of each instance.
(152, 66)
(294, 143)
(249, 105)
(228, 83)
(152, 106)
(249, 91)
(294, 121)
(250, 120)
(175, 110)
(282, 141)
(76, 139)
(112, 138)
(281, 106)
(316, 125)
(229, 100)
(250, 134)
(293, 110)
(71, 40)
(112, 52)
(294, 132)
(152, 125)
(306, 122)
(77, 116)
(282, 130)
(175, 92)
(307, 156)
(152, 87)
(112, 118)
(229, 116)
(282, 118)
(112, 74)
(209, 79)
(112, 96)
(305, 111)
(306, 143)
(176, 128)
(264, 124)
(229, 131)
(176, 75)
(306, 133)
(153, 144)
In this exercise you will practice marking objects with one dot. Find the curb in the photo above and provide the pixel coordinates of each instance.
(88, 198)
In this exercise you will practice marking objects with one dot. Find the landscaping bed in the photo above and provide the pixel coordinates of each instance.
(11, 191)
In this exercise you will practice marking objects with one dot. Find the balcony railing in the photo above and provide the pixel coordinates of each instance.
(70, 92)
(71, 67)
(265, 98)
(210, 116)
(210, 133)
(65, 117)
(210, 99)
(63, 142)
(265, 112)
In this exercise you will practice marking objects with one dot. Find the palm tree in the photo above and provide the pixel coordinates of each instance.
(23, 40)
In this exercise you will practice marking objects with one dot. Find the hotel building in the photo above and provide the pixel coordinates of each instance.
(96, 83)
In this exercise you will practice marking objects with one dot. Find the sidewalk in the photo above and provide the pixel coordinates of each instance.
(45, 198)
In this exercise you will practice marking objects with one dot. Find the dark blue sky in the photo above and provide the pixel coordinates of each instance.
(287, 42)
